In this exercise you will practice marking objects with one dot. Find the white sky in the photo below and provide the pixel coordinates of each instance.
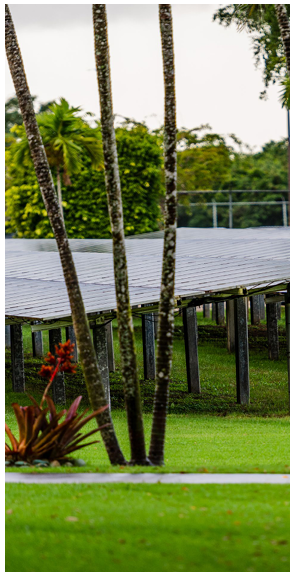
(216, 80)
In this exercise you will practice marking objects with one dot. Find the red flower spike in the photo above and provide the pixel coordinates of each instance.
(46, 371)
(50, 358)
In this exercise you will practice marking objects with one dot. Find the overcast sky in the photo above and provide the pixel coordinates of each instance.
(216, 79)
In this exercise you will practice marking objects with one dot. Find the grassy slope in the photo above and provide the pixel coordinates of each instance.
(147, 527)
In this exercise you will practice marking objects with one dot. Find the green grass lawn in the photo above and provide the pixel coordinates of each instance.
(200, 444)
(210, 432)
(141, 528)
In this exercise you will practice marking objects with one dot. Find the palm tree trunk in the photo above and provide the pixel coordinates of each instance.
(59, 189)
(166, 308)
(81, 326)
(113, 189)
(284, 26)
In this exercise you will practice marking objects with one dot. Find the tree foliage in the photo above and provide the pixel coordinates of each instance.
(84, 202)
(260, 21)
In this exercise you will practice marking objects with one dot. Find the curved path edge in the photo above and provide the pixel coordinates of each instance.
(147, 478)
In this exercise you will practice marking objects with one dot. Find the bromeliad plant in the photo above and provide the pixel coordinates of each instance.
(42, 434)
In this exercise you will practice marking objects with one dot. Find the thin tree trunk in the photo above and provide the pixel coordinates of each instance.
(113, 189)
(80, 322)
(59, 189)
(284, 26)
(166, 308)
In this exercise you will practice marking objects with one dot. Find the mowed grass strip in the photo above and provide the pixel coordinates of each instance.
(199, 443)
(130, 528)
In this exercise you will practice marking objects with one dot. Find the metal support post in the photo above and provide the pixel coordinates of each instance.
(220, 313)
(255, 310)
(262, 306)
(7, 337)
(110, 346)
(214, 311)
(58, 386)
(287, 321)
(70, 335)
(100, 345)
(230, 327)
(37, 343)
(206, 310)
(17, 359)
(242, 351)
(148, 339)
(191, 349)
(272, 330)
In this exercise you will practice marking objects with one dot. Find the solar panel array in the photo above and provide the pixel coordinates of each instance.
(216, 262)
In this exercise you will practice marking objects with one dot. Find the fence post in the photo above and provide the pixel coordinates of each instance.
(230, 210)
(284, 213)
(214, 213)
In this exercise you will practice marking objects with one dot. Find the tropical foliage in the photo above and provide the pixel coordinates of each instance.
(44, 433)
(84, 201)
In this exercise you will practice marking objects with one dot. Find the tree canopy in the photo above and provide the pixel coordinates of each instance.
(261, 22)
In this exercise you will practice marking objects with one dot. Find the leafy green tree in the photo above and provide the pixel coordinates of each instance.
(264, 23)
(65, 137)
(84, 202)
(264, 170)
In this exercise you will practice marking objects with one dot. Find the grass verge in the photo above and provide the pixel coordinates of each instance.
(170, 528)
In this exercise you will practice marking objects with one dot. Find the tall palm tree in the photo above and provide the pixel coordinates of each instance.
(80, 322)
(284, 26)
(65, 136)
(113, 189)
(166, 307)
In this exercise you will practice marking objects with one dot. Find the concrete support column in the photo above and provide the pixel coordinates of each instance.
(100, 345)
(70, 335)
(191, 349)
(255, 310)
(272, 330)
(58, 385)
(230, 326)
(242, 351)
(7, 337)
(37, 343)
(287, 321)
(206, 310)
(17, 358)
(110, 346)
(220, 313)
(148, 338)
(214, 311)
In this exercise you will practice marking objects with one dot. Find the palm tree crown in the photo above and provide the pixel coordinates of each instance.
(66, 136)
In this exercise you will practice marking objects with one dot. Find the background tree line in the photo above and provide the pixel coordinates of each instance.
(205, 161)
